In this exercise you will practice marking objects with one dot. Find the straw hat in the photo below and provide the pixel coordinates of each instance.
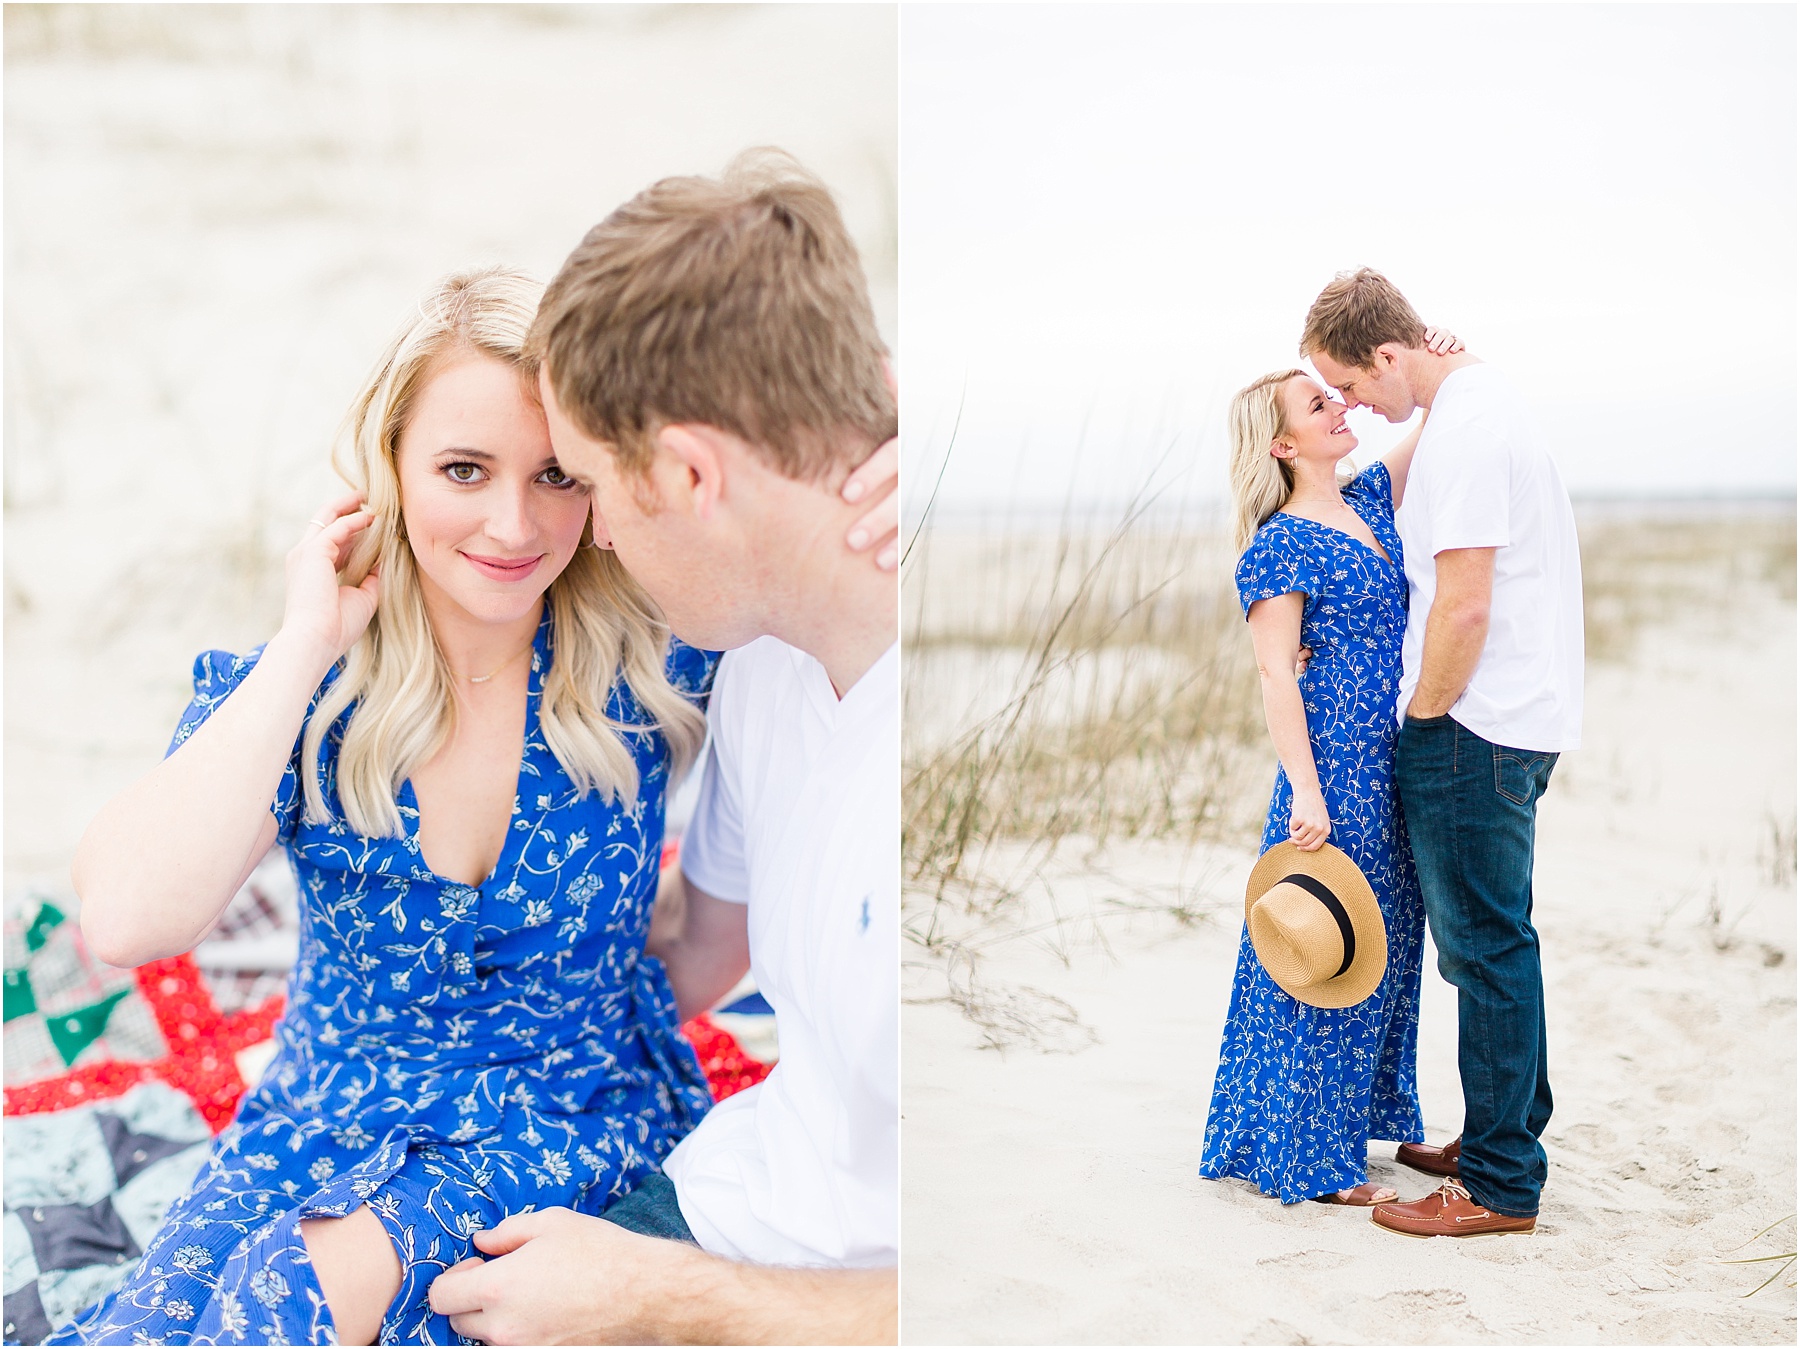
(1315, 925)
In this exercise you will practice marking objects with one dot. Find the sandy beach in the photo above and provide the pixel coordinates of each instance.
(1060, 1048)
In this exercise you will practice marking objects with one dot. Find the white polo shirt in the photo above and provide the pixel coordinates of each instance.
(1483, 477)
(799, 817)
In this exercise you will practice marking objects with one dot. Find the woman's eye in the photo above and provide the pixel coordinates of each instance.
(555, 477)
(462, 472)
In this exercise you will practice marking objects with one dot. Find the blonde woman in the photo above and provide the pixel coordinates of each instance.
(1300, 1089)
(473, 1028)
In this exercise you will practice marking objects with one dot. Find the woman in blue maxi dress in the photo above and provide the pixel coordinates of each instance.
(452, 1051)
(450, 1054)
(1300, 1090)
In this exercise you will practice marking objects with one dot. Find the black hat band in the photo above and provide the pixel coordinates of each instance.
(1319, 891)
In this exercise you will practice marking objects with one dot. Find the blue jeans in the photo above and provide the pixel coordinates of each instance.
(1471, 810)
(652, 1210)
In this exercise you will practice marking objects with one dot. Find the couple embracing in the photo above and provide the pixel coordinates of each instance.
(497, 658)
(1418, 635)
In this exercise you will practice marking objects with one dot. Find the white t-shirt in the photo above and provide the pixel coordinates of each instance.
(798, 816)
(1482, 477)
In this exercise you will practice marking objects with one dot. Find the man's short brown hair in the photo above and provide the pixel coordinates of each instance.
(1356, 313)
(737, 302)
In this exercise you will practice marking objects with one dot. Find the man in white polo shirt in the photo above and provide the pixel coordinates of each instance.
(712, 372)
(1490, 695)
(800, 1170)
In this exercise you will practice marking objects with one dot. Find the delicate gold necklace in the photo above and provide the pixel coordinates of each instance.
(482, 679)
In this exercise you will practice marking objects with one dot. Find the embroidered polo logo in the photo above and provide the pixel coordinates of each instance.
(862, 924)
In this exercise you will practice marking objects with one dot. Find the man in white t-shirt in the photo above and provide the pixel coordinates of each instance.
(1490, 695)
(712, 372)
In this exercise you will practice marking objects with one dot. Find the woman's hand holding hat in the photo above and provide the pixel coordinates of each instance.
(1309, 823)
(1316, 925)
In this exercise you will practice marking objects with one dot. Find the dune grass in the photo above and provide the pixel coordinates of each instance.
(1782, 1260)
(1113, 692)
(1071, 684)
(1640, 569)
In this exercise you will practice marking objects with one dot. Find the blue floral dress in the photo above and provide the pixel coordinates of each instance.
(1300, 1090)
(450, 1054)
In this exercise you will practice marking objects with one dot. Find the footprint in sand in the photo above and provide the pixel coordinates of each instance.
(1275, 1332)
(1418, 1301)
(1401, 1313)
(1591, 1139)
(1304, 1262)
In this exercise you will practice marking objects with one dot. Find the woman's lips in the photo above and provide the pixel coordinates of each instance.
(503, 568)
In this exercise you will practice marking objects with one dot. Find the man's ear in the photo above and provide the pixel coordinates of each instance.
(1387, 356)
(700, 455)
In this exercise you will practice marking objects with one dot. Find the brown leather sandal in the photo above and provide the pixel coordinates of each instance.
(1360, 1196)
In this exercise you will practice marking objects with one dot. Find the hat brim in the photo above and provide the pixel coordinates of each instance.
(1333, 868)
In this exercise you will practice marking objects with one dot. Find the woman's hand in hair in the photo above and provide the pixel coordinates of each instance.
(877, 479)
(1442, 342)
(163, 858)
(323, 616)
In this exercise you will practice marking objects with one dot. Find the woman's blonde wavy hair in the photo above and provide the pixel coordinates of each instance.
(1260, 483)
(395, 675)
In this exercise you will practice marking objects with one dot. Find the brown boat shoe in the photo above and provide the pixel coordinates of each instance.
(1449, 1211)
(1444, 1161)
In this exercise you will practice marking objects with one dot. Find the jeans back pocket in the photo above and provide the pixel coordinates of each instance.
(1521, 775)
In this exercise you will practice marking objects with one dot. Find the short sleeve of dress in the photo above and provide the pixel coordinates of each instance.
(691, 670)
(1374, 487)
(216, 676)
(1275, 564)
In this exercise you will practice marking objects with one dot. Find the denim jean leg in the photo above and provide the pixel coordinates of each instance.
(653, 1210)
(1541, 1103)
(1471, 808)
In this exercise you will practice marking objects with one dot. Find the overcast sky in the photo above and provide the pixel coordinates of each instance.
(1112, 217)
